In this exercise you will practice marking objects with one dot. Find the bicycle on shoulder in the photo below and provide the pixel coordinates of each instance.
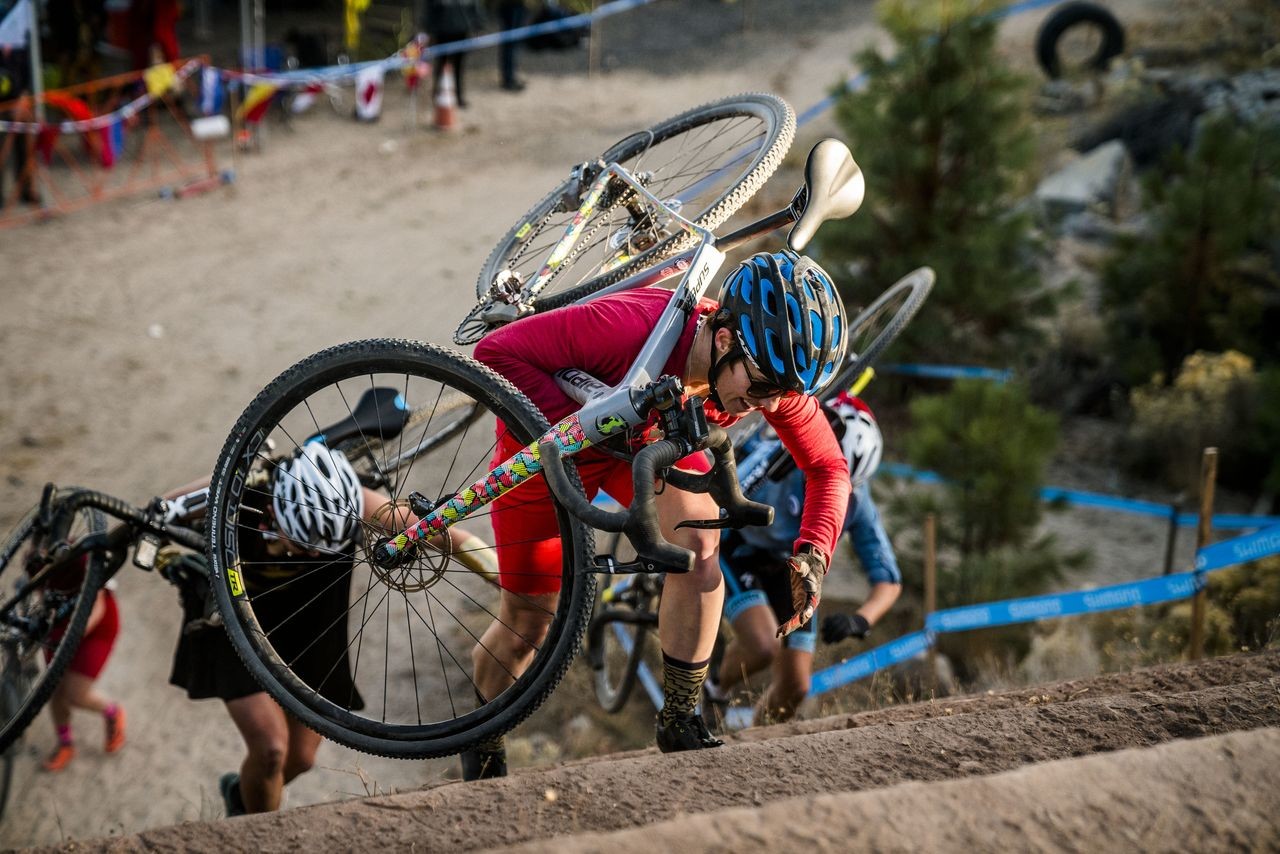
(639, 216)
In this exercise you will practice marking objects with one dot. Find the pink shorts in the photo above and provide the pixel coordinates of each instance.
(525, 533)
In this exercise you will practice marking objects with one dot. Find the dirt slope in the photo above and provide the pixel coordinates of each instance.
(997, 734)
(1220, 793)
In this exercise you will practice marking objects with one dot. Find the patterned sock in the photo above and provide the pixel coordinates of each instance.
(64, 734)
(681, 687)
(496, 744)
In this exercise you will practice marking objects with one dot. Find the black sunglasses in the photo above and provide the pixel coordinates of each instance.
(760, 389)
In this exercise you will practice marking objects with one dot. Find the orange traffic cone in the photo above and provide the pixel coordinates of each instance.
(446, 100)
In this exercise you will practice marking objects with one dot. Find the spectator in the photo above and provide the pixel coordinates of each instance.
(449, 21)
(153, 34)
(512, 15)
(75, 28)
(77, 690)
(15, 83)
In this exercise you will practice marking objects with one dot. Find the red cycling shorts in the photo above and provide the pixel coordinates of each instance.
(525, 534)
(99, 638)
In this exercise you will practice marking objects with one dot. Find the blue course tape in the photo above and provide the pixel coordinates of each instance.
(950, 372)
(520, 33)
(911, 473)
(1080, 498)
(1149, 591)
(861, 666)
(1250, 547)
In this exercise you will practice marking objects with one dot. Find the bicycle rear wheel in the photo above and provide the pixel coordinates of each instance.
(877, 325)
(42, 615)
(410, 636)
(707, 162)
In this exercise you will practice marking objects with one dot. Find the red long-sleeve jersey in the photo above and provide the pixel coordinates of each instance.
(603, 337)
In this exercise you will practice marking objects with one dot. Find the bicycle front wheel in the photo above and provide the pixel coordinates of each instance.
(615, 647)
(877, 325)
(385, 659)
(42, 614)
(706, 162)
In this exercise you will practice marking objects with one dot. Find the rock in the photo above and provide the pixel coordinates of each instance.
(1062, 97)
(1092, 181)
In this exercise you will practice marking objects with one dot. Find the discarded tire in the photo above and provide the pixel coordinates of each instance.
(1072, 15)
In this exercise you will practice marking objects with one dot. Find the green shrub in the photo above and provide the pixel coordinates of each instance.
(1211, 403)
(992, 445)
(1250, 596)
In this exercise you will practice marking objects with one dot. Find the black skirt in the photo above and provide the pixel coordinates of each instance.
(305, 619)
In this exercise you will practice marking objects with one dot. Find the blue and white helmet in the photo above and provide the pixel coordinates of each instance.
(790, 321)
(317, 498)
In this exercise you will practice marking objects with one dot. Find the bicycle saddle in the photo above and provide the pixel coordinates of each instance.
(833, 189)
(379, 414)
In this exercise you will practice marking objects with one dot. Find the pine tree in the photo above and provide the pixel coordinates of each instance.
(941, 134)
(991, 445)
(1203, 279)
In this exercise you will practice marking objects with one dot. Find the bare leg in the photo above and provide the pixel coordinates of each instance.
(791, 671)
(265, 731)
(754, 646)
(76, 690)
(303, 744)
(689, 615)
(508, 646)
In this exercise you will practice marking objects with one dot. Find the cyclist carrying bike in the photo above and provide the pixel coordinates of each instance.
(755, 570)
(307, 523)
(772, 342)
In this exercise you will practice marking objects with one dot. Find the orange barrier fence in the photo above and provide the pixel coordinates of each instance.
(107, 139)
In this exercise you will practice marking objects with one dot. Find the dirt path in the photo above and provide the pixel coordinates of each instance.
(646, 787)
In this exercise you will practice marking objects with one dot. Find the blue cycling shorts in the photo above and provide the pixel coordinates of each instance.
(756, 578)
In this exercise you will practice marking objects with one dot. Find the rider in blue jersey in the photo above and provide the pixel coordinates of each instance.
(753, 561)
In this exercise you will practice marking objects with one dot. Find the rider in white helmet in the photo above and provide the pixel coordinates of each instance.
(757, 585)
(315, 506)
(861, 442)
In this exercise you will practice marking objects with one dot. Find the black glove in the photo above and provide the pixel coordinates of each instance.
(837, 627)
(808, 568)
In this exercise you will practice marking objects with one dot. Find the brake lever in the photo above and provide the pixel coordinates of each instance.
(707, 524)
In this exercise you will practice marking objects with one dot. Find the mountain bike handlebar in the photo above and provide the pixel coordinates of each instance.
(640, 521)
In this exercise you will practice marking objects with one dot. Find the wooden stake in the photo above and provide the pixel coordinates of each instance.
(931, 589)
(1208, 476)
